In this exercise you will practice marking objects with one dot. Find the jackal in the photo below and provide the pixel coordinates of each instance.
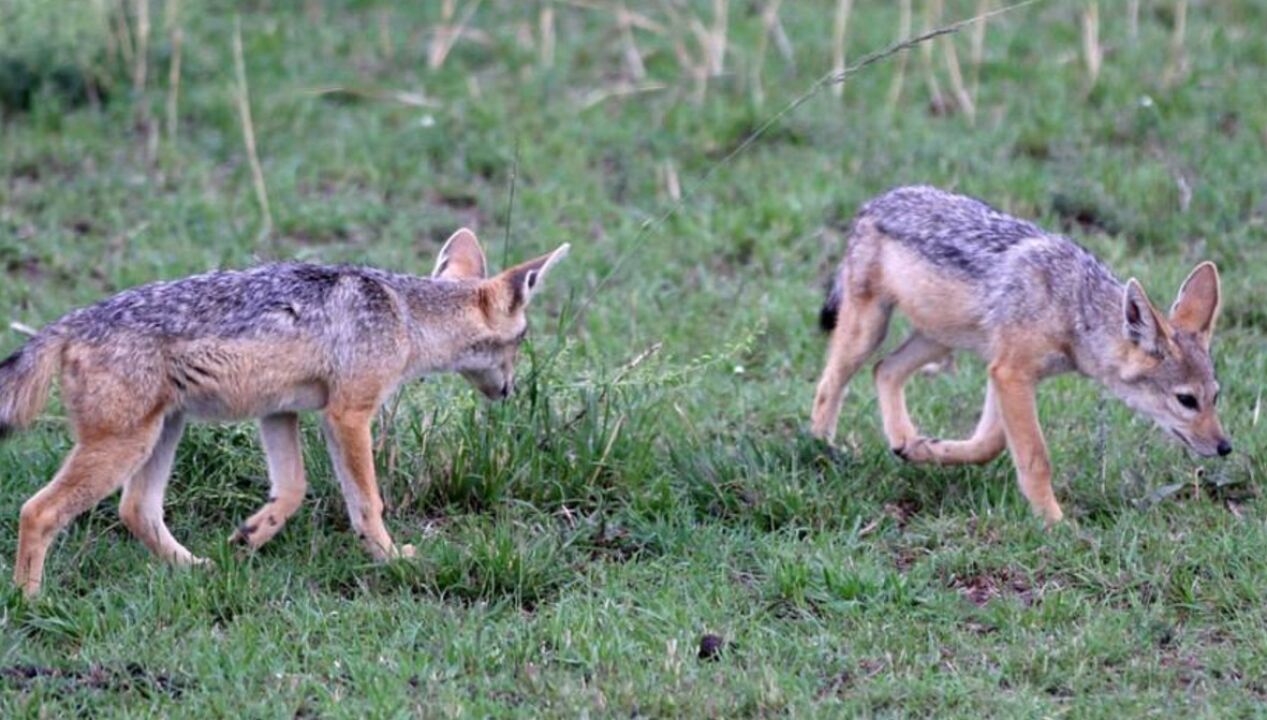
(267, 343)
(1032, 304)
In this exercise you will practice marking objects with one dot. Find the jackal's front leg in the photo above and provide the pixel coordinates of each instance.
(1016, 385)
(350, 442)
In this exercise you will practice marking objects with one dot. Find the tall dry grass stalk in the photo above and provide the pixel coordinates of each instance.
(141, 61)
(769, 20)
(721, 26)
(105, 16)
(123, 34)
(672, 185)
(440, 44)
(1092, 52)
(932, 19)
(899, 76)
(173, 86)
(140, 75)
(978, 45)
(385, 43)
(545, 28)
(633, 56)
(448, 32)
(1132, 18)
(1177, 63)
(242, 92)
(781, 40)
(839, 36)
(177, 36)
(621, 89)
(711, 41)
(957, 85)
(712, 38)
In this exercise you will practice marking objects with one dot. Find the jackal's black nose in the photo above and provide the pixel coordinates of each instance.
(1225, 448)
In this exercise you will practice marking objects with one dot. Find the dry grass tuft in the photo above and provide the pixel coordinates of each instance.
(242, 94)
(839, 37)
(1092, 52)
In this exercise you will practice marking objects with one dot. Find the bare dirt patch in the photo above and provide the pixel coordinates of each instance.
(131, 678)
(981, 588)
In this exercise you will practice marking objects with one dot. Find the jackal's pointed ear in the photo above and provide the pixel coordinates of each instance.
(525, 280)
(1197, 306)
(461, 258)
(1142, 324)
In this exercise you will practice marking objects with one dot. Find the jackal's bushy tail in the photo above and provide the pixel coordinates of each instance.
(25, 378)
(831, 306)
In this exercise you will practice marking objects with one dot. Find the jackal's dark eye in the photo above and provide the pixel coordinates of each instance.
(1187, 400)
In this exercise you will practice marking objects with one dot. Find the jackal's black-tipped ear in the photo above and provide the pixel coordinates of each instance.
(461, 258)
(1197, 306)
(526, 279)
(1142, 325)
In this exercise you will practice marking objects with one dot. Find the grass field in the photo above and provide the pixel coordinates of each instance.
(652, 482)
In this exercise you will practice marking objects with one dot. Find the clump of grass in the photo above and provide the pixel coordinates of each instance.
(516, 562)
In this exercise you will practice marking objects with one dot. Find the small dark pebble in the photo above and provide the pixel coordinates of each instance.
(710, 647)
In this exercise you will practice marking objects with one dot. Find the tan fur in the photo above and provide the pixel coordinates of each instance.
(128, 407)
(880, 274)
(943, 306)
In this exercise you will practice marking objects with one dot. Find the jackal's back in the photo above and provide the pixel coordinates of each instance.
(954, 232)
(276, 300)
(920, 247)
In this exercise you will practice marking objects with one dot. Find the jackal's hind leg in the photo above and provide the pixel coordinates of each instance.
(96, 467)
(141, 507)
(862, 323)
(987, 442)
(279, 435)
(891, 375)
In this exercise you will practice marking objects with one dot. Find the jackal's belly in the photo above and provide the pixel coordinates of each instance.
(967, 337)
(242, 403)
(246, 379)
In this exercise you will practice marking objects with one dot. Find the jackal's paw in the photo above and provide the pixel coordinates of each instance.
(1051, 515)
(918, 450)
(180, 557)
(241, 535)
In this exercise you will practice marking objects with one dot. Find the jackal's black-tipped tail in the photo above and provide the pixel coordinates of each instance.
(25, 377)
(831, 306)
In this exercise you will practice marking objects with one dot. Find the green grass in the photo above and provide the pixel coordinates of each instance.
(577, 542)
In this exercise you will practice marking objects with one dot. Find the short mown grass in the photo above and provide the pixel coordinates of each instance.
(651, 483)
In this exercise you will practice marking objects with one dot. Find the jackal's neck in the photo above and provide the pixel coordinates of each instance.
(1097, 337)
(442, 318)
